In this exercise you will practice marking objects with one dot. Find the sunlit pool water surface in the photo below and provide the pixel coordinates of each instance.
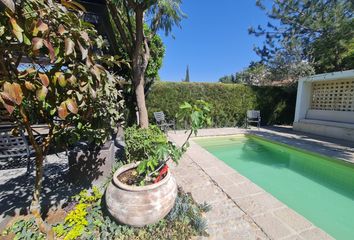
(320, 189)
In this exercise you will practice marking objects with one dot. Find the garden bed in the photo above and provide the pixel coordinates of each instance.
(85, 217)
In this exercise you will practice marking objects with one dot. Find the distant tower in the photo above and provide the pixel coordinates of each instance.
(187, 75)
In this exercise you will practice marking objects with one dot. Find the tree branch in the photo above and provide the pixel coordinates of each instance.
(130, 25)
(115, 13)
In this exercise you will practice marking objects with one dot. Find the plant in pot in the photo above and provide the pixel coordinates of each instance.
(144, 191)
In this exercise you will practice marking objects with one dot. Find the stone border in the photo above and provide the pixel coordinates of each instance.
(274, 218)
(327, 147)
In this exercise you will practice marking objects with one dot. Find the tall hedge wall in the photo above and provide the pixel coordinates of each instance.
(229, 101)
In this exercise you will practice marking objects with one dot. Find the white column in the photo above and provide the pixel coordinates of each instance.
(303, 99)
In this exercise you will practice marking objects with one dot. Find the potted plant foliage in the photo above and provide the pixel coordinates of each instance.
(144, 191)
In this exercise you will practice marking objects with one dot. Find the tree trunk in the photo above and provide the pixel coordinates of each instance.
(140, 61)
(35, 204)
(140, 100)
(35, 207)
(138, 49)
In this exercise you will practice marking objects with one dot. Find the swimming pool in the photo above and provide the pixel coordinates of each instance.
(319, 188)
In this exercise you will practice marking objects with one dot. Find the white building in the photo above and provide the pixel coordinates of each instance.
(325, 105)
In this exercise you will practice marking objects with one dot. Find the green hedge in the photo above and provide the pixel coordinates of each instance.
(229, 101)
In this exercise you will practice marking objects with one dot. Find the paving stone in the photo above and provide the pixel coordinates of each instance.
(225, 169)
(272, 226)
(315, 234)
(237, 229)
(242, 190)
(213, 171)
(207, 194)
(294, 237)
(222, 181)
(236, 178)
(259, 204)
(292, 219)
(222, 211)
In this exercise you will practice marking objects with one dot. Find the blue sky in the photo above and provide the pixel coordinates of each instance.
(213, 41)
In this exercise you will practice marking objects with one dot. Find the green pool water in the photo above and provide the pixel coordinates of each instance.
(320, 189)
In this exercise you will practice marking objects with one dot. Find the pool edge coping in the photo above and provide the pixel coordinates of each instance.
(285, 145)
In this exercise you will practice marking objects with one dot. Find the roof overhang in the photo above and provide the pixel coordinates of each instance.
(342, 75)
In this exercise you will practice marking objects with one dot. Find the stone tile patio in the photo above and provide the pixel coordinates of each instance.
(241, 209)
(16, 187)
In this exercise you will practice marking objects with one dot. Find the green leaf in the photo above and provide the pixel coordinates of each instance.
(62, 81)
(72, 106)
(53, 111)
(185, 105)
(42, 93)
(26, 40)
(2, 30)
(142, 167)
(16, 29)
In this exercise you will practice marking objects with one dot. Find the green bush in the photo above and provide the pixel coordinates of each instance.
(229, 102)
(277, 104)
(141, 144)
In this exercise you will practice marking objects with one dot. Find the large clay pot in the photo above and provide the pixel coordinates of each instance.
(140, 205)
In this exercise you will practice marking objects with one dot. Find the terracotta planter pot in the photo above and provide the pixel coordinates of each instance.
(140, 205)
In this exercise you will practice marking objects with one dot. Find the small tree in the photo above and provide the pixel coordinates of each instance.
(129, 18)
(187, 75)
(61, 80)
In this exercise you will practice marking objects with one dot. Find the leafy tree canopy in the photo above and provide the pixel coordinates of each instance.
(255, 74)
(258, 73)
(305, 32)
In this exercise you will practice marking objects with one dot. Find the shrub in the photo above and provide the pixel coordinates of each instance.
(64, 79)
(141, 143)
(23, 229)
(80, 219)
(277, 104)
(229, 102)
(88, 219)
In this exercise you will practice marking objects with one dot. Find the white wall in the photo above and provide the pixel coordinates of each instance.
(304, 92)
(336, 124)
(303, 99)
